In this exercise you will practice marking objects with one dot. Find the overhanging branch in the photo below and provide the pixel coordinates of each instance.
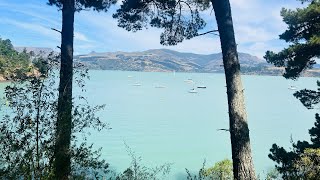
(223, 130)
(209, 32)
(56, 30)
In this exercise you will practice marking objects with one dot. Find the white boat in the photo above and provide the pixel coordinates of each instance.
(159, 86)
(193, 91)
(130, 76)
(137, 84)
(189, 81)
(292, 88)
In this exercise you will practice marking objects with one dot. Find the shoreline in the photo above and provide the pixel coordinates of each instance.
(304, 75)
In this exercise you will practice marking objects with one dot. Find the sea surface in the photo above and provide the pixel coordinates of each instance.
(171, 125)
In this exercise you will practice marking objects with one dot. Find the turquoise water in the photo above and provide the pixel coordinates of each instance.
(170, 125)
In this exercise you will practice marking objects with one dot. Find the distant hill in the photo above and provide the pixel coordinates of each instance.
(164, 60)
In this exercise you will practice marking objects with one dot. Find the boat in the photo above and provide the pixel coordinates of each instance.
(189, 81)
(193, 91)
(130, 76)
(137, 84)
(202, 87)
(292, 88)
(159, 86)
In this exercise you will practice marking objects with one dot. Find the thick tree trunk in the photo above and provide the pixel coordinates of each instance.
(240, 141)
(62, 163)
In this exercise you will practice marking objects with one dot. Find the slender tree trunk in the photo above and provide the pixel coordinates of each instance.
(63, 129)
(240, 141)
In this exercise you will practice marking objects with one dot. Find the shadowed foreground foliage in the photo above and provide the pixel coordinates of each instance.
(15, 64)
(289, 162)
(28, 130)
(303, 34)
(137, 171)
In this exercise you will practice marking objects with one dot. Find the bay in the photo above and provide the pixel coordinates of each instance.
(170, 125)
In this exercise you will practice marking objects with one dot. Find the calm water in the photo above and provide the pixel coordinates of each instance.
(170, 125)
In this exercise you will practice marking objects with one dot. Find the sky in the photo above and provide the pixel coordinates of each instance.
(257, 25)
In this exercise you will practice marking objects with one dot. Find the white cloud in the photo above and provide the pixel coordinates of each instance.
(257, 25)
(121, 40)
(80, 37)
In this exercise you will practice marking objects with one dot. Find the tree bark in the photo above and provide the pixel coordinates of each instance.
(62, 165)
(243, 168)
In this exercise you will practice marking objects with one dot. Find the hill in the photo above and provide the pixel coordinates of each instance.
(164, 60)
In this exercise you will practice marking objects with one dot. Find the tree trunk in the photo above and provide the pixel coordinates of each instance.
(62, 163)
(240, 141)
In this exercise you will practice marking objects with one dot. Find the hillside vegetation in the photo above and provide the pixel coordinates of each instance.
(165, 60)
(14, 64)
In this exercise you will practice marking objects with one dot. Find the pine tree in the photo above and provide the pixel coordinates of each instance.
(13, 64)
(181, 20)
(303, 34)
(64, 120)
(26, 128)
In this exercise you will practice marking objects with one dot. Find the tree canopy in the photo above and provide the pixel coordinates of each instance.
(97, 5)
(303, 34)
(179, 19)
(12, 63)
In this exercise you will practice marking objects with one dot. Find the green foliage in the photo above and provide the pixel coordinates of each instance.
(304, 35)
(222, 170)
(41, 65)
(273, 174)
(286, 160)
(6, 48)
(179, 19)
(139, 172)
(97, 5)
(12, 63)
(28, 130)
(309, 98)
(308, 164)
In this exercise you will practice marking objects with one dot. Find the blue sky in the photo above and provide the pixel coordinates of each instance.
(257, 25)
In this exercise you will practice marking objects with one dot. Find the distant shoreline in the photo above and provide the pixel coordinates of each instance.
(308, 74)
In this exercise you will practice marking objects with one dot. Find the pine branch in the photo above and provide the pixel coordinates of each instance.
(56, 30)
(209, 32)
